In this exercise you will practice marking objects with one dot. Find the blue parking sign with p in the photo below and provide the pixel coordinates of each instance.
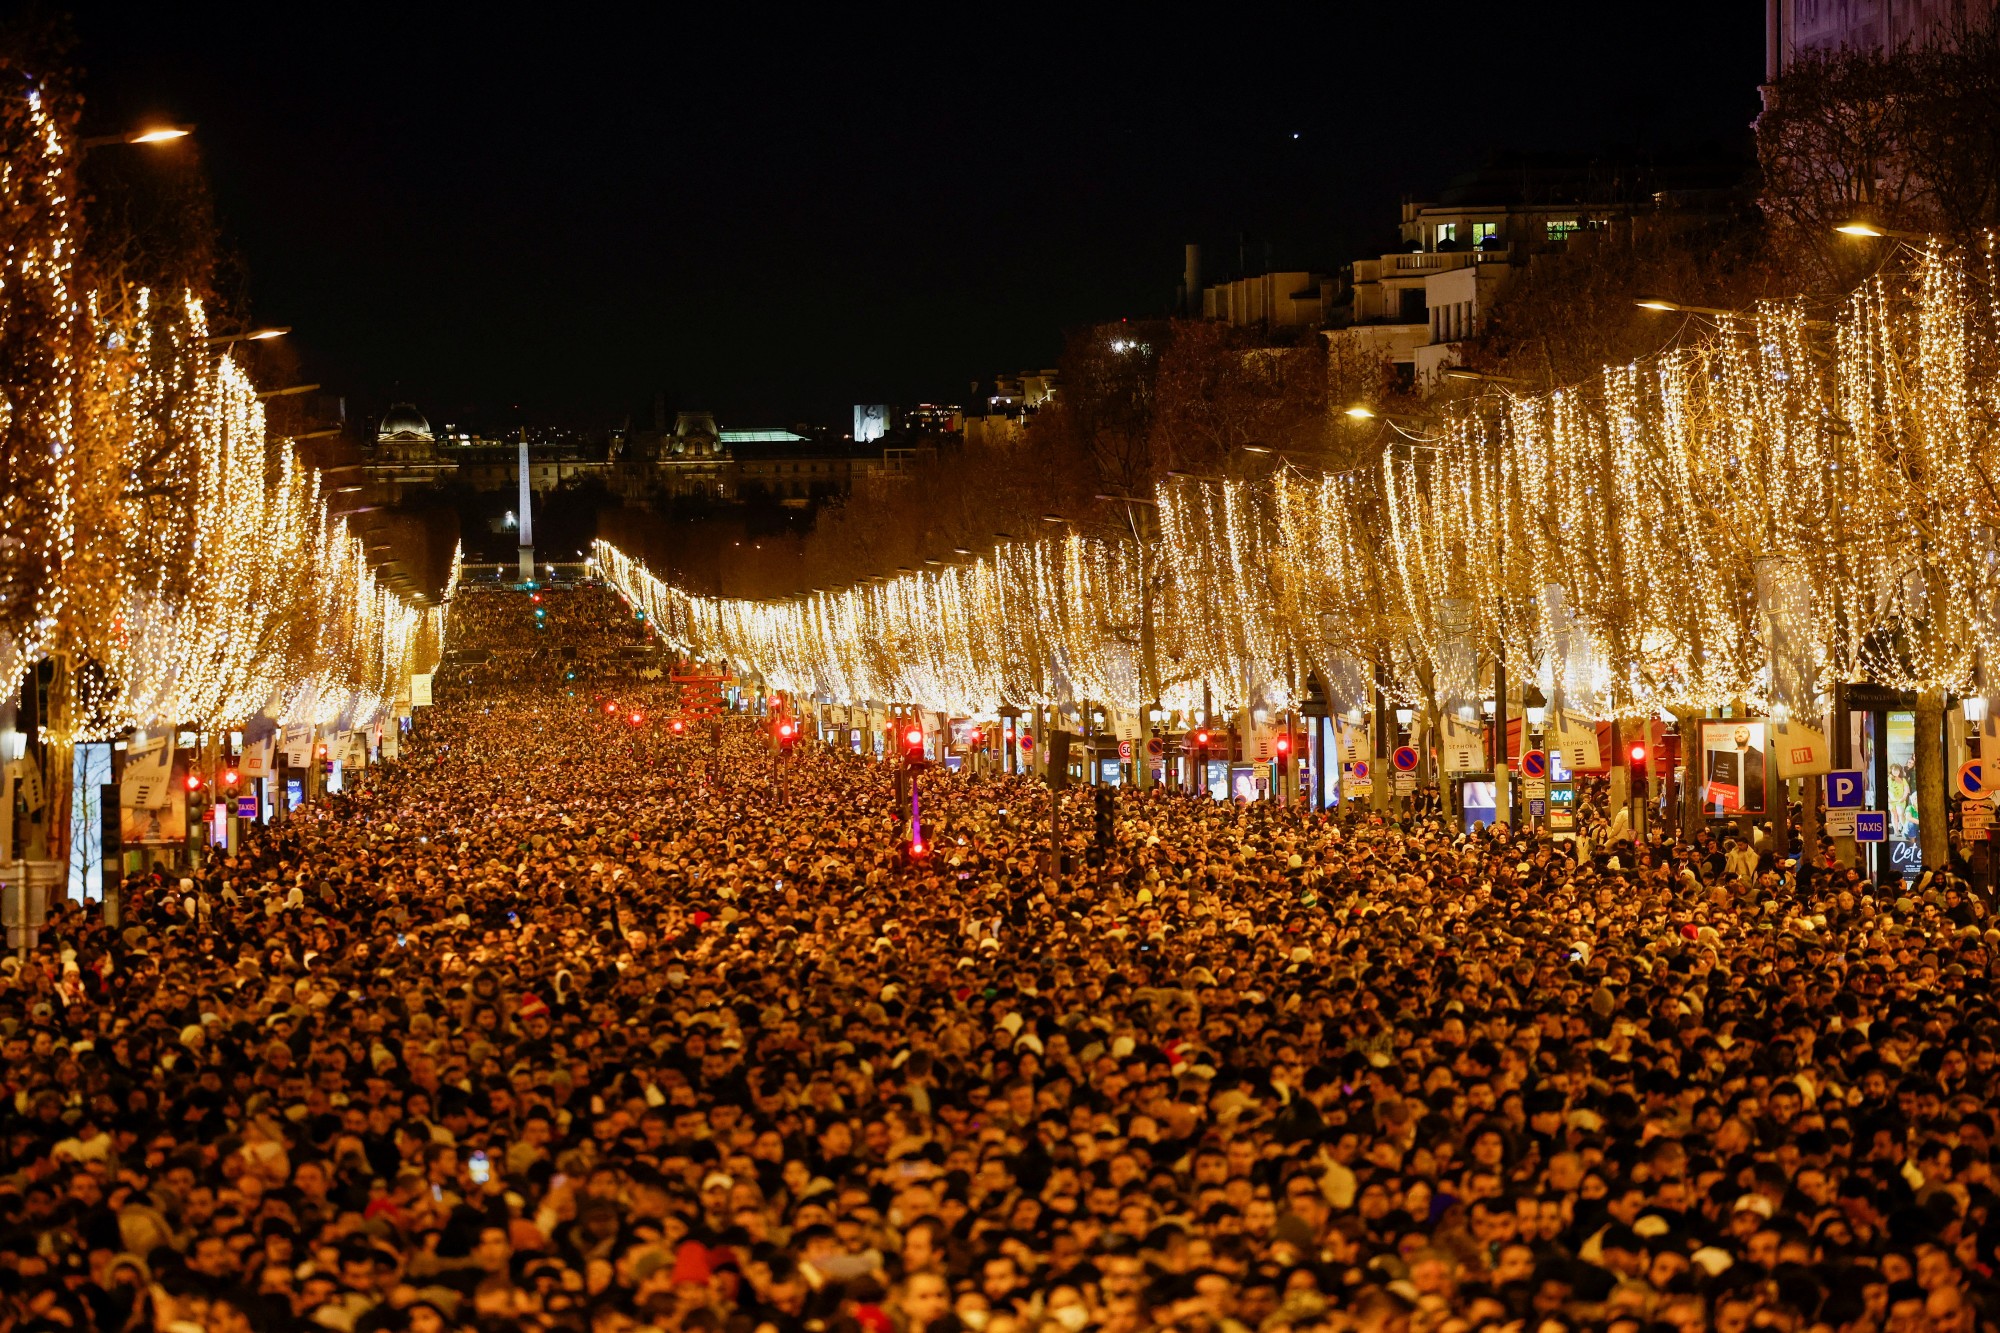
(1843, 789)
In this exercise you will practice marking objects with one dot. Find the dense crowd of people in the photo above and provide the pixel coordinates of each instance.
(553, 637)
(564, 1023)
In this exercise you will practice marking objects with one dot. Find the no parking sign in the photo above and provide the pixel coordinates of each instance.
(1969, 784)
(1405, 759)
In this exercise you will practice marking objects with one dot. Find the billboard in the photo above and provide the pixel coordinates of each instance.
(871, 422)
(1733, 766)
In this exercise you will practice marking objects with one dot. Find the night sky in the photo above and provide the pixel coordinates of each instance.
(559, 213)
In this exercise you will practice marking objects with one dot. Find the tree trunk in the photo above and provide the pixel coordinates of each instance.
(1688, 723)
(1618, 794)
(1930, 779)
(1810, 824)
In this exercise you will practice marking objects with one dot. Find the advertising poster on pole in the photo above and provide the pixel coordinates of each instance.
(149, 771)
(256, 760)
(1799, 751)
(1575, 736)
(1462, 746)
(1351, 739)
(1733, 766)
(298, 745)
(152, 796)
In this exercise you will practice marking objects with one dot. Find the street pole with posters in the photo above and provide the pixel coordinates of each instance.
(1056, 746)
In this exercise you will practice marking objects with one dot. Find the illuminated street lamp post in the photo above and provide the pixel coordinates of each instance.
(154, 134)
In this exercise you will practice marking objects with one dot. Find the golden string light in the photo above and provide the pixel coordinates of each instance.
(1741, 520)
(177, 564)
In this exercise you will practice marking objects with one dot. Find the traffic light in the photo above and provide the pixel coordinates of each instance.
(1103, 804)
(638, 719)
(1283, 747)
(1201, 740)
(679, 727)
(610, 707)
(1638, 753)
(194, 779)
(913, 745)
(1058, 759)
(788, 731)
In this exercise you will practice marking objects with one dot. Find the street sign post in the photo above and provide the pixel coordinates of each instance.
(1534, 764)
(1405, 759)
(1969, 780)
(1840, 823)
(1871, 826)
(1843, 789)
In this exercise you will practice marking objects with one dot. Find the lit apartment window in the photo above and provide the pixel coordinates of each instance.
(1446, 231)
(1560, 228)
(1482, 232)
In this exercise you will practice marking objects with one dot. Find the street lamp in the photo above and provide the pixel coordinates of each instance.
(1870, 231)
(1481, 377)
(1535, 709)
(155, 134)
(1676, 307)
(1974, 706)
(251, 336)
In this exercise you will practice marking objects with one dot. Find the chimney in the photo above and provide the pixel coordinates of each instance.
(1191, 282)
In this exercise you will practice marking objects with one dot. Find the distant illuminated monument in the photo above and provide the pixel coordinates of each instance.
(527, 549)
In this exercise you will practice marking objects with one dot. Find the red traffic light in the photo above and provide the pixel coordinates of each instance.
(229, 777)
(679, 726)
(637, 718)
(1284, 744)
(978, 737)
(1638, 752)
(914, 737)
(194, 781)
(785, 730)
(1201, 738)
(611, 708)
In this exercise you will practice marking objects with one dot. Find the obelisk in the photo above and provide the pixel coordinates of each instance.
(527, 551)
